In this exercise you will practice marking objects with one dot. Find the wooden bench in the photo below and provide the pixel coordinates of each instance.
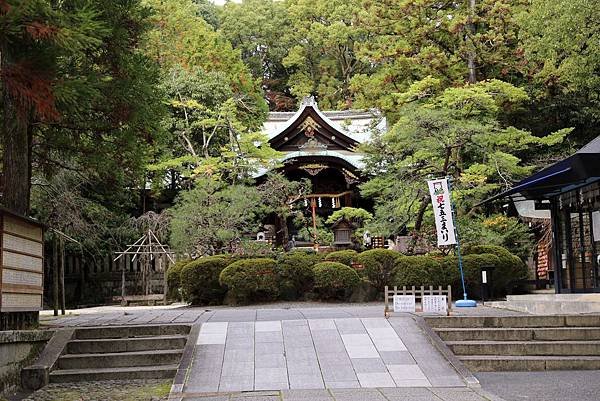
(418, 292)
(151, 299)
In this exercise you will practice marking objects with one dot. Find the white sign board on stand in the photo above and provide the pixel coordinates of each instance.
(435, 303)
(404, 303)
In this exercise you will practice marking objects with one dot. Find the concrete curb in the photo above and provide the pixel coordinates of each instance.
(488, 395)
(36, 376)
(187, 357)
(465, 374)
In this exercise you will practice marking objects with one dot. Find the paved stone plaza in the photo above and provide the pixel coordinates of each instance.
(311, 354)
(299, 352)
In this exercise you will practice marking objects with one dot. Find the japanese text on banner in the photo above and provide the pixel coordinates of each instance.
(442, 209)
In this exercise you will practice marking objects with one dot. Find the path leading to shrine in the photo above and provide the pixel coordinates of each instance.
(299, 349)
(315, 354)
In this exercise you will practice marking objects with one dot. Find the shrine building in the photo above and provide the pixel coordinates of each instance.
(569, 192)
(323, 147)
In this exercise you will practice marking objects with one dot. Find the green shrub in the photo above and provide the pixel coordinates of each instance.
(378, 265)
(509, 270)
(335, 280)
(174, 279)
(251, 280)
(296, 271)
(472, 270)
(345, 257)
(200, 280)
(418, 271)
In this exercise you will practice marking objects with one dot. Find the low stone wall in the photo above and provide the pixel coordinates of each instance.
(18, 348)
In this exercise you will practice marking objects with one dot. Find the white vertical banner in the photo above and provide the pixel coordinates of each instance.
(442, 209)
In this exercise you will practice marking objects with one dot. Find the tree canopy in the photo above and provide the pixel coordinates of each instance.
(111, 108)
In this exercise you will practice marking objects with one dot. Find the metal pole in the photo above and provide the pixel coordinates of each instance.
(465, 301)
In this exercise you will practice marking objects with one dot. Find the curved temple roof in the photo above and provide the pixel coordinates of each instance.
(310, 132)
(356, 124)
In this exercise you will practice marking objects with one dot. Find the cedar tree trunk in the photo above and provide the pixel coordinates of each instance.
(16, 161)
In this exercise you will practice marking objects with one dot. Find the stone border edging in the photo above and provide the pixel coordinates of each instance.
(19, 336)
(460, 368)
(187, 357)
(37, 375)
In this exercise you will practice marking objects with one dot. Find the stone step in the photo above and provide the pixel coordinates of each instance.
(108, 345)
(500, 363)
(519, 334)
(514, 321)
(130, 331)
(525, 348)
(129, 373)
(119, 359)
(547, 307)
(584, 297)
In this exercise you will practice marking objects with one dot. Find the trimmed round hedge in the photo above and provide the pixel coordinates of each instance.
(335, 280)
(472, 270)
(296, 271)
(509, 270)
(174, 279)
(345, 257)
(378, 265)
(418, 271)
(251, 280)
(200, 280)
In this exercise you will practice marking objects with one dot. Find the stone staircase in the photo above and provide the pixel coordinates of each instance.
(544, 303)
(522, 343)
(124, 352)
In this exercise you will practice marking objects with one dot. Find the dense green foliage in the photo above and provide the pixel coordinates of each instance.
(453, 132)
(251, 280)
(418, 271)
(200, 280)
(334, 280)
(509, 269)
(345, 257)
(112, 108)
(296, 271)
(378, 265)
(506, 271)
(356, 216)
(211, 217)
(174, 279)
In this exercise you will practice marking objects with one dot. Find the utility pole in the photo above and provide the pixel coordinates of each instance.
(471, 55)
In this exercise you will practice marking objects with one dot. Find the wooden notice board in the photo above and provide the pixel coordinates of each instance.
(21, 263)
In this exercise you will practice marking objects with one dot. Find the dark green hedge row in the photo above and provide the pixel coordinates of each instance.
(306, 275)
(508, 270)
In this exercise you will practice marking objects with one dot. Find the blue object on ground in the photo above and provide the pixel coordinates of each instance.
(465, 303)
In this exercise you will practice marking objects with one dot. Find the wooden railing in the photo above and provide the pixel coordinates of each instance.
(418, 292)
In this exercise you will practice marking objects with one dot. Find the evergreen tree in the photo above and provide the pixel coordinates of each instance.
(76, 93)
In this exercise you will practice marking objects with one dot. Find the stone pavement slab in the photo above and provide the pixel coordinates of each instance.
(330, 352)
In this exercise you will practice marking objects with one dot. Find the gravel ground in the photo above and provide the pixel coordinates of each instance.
(115, 390)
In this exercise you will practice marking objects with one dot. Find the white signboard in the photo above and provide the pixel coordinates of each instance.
(404, 303)
(435, 303)
(440, 197)
(596, 225)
